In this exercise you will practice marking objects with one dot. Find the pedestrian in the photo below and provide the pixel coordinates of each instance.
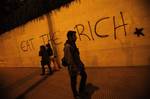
(75, 65)
(52, 57)
(55, 54)
(45, 60)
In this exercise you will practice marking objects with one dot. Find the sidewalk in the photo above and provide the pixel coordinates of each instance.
(102, 83)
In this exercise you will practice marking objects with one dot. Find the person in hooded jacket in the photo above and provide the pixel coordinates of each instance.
(75, 65)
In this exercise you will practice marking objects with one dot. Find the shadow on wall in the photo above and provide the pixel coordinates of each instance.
(146, 4)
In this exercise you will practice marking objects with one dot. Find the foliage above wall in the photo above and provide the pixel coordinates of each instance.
(17, 12)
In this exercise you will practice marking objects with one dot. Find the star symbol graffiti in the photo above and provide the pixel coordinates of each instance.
(138, 32)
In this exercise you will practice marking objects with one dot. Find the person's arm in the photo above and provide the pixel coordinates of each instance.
(68, 55)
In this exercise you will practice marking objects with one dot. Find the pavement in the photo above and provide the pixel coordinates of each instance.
(102, 83)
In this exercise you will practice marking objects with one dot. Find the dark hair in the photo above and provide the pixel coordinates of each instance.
(70, 34)
(47, 45)
(42, 47)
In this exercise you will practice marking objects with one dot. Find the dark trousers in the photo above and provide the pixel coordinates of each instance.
(43, 69)
(82, 83)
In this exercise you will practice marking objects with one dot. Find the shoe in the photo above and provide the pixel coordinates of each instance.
(50, 73)
(42, 74)
(83, 92)
(56, 69)
(77, 97)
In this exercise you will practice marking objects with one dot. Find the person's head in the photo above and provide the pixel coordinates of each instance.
(42, 47)
(47, 45)
(71, 35)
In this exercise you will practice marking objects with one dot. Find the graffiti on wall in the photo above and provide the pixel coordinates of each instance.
(80, 28)
(138, 32)
(28, 45)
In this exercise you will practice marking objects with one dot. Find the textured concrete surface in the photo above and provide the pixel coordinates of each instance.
(102, 83)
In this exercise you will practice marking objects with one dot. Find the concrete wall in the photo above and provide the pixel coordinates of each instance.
(105, 31)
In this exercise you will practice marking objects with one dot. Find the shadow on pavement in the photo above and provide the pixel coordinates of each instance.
(22, 96)
(3, 91)
(3, 94)
(90, 89)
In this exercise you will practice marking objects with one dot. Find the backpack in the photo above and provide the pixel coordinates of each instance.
(64, 62)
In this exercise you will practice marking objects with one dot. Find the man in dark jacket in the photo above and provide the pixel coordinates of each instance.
(75, 67)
